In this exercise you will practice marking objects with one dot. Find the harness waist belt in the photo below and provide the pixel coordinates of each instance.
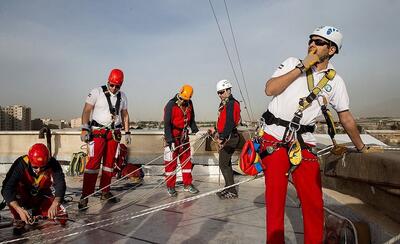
(96, 124)
(271, 119)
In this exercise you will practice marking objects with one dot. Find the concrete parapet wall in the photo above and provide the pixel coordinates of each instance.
(63, 143)
(373, 178)
(375, 168)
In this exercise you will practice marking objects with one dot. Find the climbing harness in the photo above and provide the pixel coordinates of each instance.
(114, 111)
(251, 158)
(292, 139)
(102, 130)
(292, 135)
(336, 149)
(37, 180)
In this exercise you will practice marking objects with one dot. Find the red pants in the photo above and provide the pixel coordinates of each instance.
(186, 164)
(38, 204)
(307, 180)
(102, 147)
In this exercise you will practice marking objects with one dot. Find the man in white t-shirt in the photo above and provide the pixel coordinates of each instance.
(104, 115)
(287, 86)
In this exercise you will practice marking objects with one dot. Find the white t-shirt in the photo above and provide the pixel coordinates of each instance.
(101, 112)
(286, 104)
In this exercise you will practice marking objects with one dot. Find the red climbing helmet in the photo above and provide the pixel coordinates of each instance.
(116, 77)
(38, 155)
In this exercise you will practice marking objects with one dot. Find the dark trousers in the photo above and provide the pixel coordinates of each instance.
(225, 159)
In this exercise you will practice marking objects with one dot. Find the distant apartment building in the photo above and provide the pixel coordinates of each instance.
(55, 123)
(76, 123)
(15, 117)
(36, 124)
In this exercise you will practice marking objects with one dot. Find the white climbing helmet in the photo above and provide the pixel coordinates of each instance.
(223, 84)
(330, 33)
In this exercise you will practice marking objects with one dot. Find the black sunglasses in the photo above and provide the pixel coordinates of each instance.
(116, 86)
(318, 42)
(220, 92)
(36, 167)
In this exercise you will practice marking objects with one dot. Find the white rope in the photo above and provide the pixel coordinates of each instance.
(162, 182)
(324, 151)
(240, 63)
(125, 216)
(393, 240)
(391, 148)
(150, 211)
(124, 177)
(348, 220)
(229, 58)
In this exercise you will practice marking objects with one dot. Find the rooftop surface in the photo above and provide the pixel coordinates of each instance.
(146, 214)
(206, 219)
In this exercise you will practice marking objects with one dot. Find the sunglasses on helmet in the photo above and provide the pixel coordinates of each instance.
(318, 42)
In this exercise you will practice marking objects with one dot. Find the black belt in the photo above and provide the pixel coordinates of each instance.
(271, 119)
(94, 123)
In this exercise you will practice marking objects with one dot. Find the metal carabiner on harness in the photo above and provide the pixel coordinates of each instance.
(260, 127)
(34, 191)
(294, 124)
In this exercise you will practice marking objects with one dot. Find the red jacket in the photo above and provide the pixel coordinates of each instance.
(228, 118)
(176, 119)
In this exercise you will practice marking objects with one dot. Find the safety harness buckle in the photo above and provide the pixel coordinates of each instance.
(294, 124)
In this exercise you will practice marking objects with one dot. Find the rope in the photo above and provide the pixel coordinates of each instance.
(240, 63)
(229, 57)
(135, 186)
(141, 197)
(148, 211)
(125, 216)
(126, 176)
(348, 220)
(327, 149)
(393, 240)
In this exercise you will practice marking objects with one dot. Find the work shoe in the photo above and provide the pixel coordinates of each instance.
(227, 194)
(83, 204)
(137, 181)
(190, 188)
(172, 192)
(19, 227)
(109, 197)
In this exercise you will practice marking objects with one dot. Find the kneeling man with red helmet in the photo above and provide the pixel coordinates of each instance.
(27, 186)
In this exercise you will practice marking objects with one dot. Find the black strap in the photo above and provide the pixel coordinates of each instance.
(271, 119)
(96, 124)
(263, 154)
(324, 109)
(113, 110)
(329, 122)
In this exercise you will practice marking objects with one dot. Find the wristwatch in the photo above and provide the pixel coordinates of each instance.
(301, 67)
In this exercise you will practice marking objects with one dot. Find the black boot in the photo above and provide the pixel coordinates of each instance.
(109, 197)
(83, 204)
(19, 227)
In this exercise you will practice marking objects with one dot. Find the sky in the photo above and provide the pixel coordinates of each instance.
(52, 53)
